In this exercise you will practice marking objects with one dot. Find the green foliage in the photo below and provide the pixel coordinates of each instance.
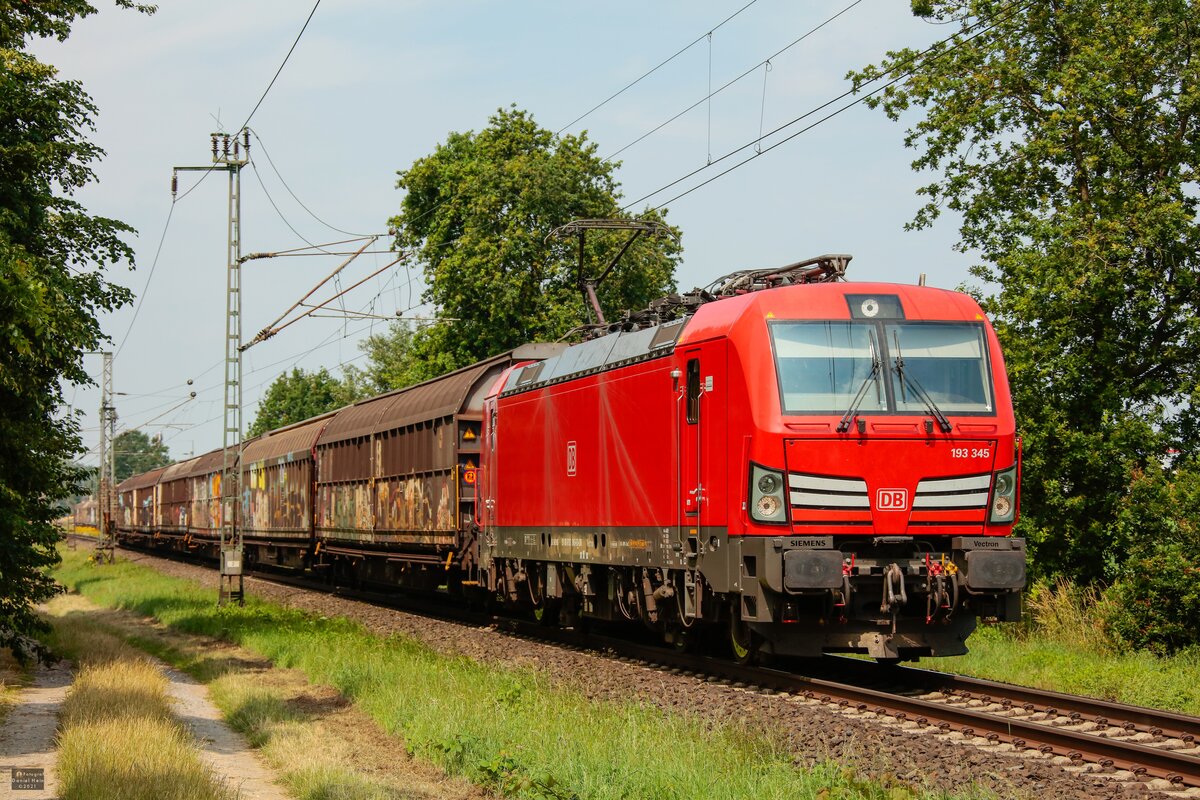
(478, 212)
(1155, 602)
(1064, 135)
(299, 396)
(52, 259)
(391, 364)
(134, 453)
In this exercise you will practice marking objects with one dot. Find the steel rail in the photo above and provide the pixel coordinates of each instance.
(1162, 723)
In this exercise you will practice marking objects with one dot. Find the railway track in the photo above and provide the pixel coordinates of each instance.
(1125, 742)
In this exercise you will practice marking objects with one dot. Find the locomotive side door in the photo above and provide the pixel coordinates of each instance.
(691, 427)
(701, 426)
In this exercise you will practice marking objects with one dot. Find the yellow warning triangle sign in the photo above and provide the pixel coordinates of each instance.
(468, 435)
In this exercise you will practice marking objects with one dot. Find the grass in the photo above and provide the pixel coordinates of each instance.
(13, 676)
(117, 736)
(319, 745)
(512, 731)
(1063, 647)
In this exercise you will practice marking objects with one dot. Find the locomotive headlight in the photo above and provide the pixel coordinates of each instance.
(767, 496)
(767, 506)
(1004, 496)
(1002, 507)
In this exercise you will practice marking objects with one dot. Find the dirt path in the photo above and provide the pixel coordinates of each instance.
(27, 735)
(224, 750)
(310, 736)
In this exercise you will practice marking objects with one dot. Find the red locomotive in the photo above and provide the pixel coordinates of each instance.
(802, 464)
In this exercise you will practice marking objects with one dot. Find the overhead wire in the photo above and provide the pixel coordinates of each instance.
(714, 92)
(653, 70)
(983, 27)
(271, 200)
(275, 77)
(149, 277)
(299, 202)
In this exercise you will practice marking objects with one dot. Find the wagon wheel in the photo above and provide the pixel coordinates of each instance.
(684, 640)
(547, 613)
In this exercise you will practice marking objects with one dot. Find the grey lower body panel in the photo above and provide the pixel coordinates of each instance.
(625, 546)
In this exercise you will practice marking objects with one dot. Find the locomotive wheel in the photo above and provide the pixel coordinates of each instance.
(741, 640)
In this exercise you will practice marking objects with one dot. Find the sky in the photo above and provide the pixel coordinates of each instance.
(374, 85)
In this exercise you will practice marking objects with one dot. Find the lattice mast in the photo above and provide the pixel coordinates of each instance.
(106, 494)
(229, 154)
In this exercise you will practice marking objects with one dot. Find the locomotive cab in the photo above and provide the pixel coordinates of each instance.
(881, 486)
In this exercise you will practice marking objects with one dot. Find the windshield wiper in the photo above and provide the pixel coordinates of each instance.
(943, 423)
(873, 375)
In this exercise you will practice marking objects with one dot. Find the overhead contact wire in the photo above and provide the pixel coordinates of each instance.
(928, 52)
(731, 82)
(650, 72)
(283, 64)
(271, 200)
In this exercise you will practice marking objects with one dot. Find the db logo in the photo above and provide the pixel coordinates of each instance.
(571, 458)
(891, 499)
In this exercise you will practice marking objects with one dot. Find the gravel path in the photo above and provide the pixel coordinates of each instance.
(27, 735)
(886, 751)
(224, 750)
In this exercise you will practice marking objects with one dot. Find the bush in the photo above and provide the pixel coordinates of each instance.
(1155, 605)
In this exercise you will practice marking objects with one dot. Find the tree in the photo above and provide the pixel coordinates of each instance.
(134, 453)
(390, 361)
(299, 396)
(52, 260)
(1065, 135)
(478, 213)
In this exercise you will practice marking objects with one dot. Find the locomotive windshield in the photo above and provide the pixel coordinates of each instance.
(822, 365)
(946, 360)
